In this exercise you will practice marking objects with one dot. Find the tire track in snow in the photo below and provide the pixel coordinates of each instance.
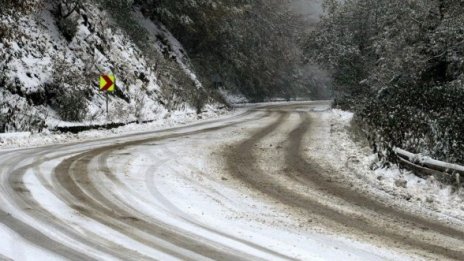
(242, 164)
(103, 166)
(22, 197)
(312, 174)
(73, 175)
(16, 190)
(19, 194)
(151, 184)
(80, 181)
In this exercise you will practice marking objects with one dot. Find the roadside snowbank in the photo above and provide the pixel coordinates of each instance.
(176, 118)
(338, 150)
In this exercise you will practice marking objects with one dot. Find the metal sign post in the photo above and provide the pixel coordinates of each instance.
(107, 84)
(107, 112)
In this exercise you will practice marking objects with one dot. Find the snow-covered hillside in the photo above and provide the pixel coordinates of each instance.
(51, 58)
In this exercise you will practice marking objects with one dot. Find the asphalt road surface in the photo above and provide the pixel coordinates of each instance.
(186, 193)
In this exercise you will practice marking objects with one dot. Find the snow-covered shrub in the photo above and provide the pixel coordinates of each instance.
(4, 31)
(68, 27)
(67, 18)
(400, 66)
(17, 115)
(71, 105)
(18, 6)
(427, 120)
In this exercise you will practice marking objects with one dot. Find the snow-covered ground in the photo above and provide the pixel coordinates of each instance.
(170, 194)
(45, 75)
(174, 119)
(337, 148)
(198, 196)
(176, 183)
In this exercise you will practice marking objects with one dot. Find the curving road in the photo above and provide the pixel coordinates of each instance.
(240, 188)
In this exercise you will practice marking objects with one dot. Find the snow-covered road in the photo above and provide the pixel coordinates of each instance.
(239, 188)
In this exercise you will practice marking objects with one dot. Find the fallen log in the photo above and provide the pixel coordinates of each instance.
(428, 166)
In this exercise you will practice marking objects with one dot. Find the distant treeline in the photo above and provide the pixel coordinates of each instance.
(251, 45)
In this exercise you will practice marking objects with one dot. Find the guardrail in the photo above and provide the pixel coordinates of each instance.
(427, 166)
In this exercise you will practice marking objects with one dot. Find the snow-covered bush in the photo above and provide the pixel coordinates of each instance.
(17, 115)
(71, 106)
(67, 18)
(17, 7)
(400, 65)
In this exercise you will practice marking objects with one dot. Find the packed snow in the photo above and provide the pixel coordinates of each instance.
(176, 183)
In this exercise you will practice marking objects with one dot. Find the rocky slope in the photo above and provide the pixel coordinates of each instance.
(52, 53)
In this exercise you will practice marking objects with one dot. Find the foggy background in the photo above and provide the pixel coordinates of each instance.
(318, 79)
(309, 9)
